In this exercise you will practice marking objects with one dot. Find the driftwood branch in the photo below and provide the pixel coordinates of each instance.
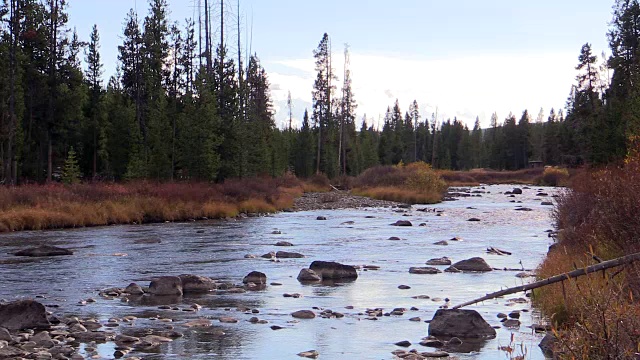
(554, 279)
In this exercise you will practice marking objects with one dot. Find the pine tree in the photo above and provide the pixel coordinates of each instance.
(71, 172)
(95, 113)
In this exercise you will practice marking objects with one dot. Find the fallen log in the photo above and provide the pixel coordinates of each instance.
(557, 278)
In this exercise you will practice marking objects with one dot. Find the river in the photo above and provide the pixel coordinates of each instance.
(117, 255)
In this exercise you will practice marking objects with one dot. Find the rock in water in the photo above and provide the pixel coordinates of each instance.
(460, 323)
(303, 314)
(439, 261)
(288, 255)
(134, 289)
(44, 250)
(329, 270)
(475, 264)
(196, 283)
(517, 191)
(255, 277)
(402, 223)
(24, 314)
(166, 285)
(308, 275)
(424, 270)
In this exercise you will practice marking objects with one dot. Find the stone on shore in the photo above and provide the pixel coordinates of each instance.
(23, 314)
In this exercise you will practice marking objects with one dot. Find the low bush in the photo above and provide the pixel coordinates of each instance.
(416, 183)
(597, 316)
(482, 176)
(555, 176)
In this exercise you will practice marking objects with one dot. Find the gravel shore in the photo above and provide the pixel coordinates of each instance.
(337, 200)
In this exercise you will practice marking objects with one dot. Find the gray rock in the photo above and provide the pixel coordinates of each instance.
(134, 289)
(329, 270)
(460, 323)
(402, 223)
(452, 269)
(439, 261)
(284, 243)
(442, 242)
(255, 277)
(547, 344)
(44, 250)
(516, 191)
(165, 286)
(311, 354)
(434, 343)
(303, 314)
(403, 343)
(5, 335)
(474, 220)
(288, 255)
(269, 255)
(424, 270)
(475, 264)
(321, 218)
(23, 314)
(511, 323)
(308, 275)
(43, 340)
(196, 283)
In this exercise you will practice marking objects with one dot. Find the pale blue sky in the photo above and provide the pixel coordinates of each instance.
(466, 57)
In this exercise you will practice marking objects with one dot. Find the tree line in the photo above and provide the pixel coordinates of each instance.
(176, 111)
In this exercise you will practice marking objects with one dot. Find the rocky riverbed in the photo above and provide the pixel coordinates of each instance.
(240, 295)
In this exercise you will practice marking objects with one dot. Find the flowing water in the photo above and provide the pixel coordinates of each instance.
(117, 255)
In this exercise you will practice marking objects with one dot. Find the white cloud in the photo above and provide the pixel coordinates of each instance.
(465, 87)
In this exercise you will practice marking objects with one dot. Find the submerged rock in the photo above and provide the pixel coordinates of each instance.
(303, 314)
(44, 250)
(402, 223)
(460, 323)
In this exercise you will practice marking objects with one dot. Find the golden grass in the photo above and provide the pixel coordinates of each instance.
(53, 206)
(399, 195)
(482, 176)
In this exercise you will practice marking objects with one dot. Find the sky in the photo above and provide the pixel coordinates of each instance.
(463, 58)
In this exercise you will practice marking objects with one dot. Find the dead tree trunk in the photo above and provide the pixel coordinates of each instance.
(554, 279)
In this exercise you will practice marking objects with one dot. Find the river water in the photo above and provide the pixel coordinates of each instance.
(117, 255)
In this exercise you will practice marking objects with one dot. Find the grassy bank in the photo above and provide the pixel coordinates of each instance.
(596, 316)
(53, 206)
(539, 176)
(415, 183)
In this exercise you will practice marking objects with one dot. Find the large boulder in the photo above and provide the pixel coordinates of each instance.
(329, 270)
(255, 277)
(44, 250)
(475, 264)
(308, 275)
(460, 323)
(196, 283)
(23, 314)
(166, 286)
(288, 255)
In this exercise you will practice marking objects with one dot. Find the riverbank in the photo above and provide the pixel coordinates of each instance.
(58, 206)
(596, 316)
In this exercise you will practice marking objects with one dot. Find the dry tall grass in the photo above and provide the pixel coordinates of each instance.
(597, 316)
(415, 183)
(37, 207)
